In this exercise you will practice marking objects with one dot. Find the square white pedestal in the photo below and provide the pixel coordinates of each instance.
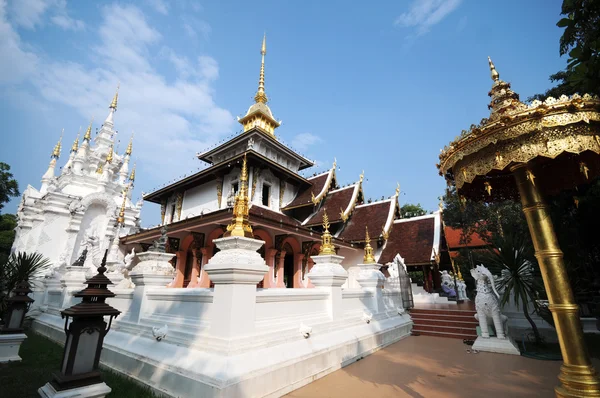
(494, 344)
(98, 390)
(9, 347)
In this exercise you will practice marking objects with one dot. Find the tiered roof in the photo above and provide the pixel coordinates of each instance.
(416, 239)
(320, 185)
(338, 204)
(377, 216)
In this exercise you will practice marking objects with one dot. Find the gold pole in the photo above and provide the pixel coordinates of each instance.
(577, 375)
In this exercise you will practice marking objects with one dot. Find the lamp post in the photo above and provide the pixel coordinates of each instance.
(18, 305)
(11, 332)
(79, 372)
(530, 151)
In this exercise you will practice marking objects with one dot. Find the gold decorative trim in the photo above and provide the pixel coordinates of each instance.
(179, 205)
(549, 143)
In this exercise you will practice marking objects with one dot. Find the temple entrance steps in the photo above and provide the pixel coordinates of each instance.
(454, 321)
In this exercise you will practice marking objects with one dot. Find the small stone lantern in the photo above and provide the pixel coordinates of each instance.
(85, 335)
(18, 305)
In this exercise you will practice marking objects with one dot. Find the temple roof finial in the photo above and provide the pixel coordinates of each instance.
(132, 175)
(75, 146)
(240, 224)
(113, 104)
(495, 74)
(327, 247)
(261, 96)
(88, 133)
(129, 146)
(58, 147)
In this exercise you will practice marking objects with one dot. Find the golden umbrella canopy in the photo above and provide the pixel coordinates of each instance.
(561, 136)
(528, 151)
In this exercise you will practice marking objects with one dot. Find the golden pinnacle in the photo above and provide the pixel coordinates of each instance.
(327, 247)
(368, 258)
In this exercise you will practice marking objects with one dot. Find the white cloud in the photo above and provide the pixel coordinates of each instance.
(30, 13)
(303, 141)
(160, 6)
(173, 119)
(194, 27)
(423, 14)
(17, 63)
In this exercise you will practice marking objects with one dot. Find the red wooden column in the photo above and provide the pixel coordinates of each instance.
(298, 257)
(178, 281)
(207, 253)
(279, 281)
(195, 270)
(269, 280)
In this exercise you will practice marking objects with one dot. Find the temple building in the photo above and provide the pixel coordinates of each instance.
(286, 209)
(89, 197)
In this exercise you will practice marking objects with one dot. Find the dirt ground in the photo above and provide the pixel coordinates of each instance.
(423, 366)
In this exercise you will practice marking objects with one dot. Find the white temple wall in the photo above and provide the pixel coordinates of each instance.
(51, 238)
(281, 305)
(200, 200)
(94, 223)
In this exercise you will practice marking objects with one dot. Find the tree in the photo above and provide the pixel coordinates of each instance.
(581, 41)
(512, 258)
(9, 188)
(8, 223)
(19, 267)
(411, 210)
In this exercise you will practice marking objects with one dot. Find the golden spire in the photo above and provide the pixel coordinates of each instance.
(130, 146)
(100, 169)
(495, 74)
(113, 104)
(88, 133)
(327, 247)
(121, 219)
(109, 157)
(397, 189)
(261, 96)
(362, 177)
(75, 145)
(132, 175)
(240, 225)
(368, 258)
(58, 147)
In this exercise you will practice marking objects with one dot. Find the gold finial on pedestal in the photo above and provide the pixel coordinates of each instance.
(121, 218)
(240, 225)
(75, 145)
(109, 157)
(129, 146)
(326, 245)
(88, 133)
(261, 96)
(58, 147)
(113, 104)
(368, 258)
(132, 175)
(495, 74)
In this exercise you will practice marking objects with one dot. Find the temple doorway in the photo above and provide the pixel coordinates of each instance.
(288, 266)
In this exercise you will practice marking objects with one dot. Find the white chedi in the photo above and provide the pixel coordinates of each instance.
(486, 302)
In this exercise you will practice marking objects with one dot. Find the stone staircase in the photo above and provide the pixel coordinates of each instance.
(454, 323)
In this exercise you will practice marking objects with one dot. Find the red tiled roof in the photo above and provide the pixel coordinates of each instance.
(304, 197)
(372, 215)
(453, 239)
(335, 203)
(413, 240)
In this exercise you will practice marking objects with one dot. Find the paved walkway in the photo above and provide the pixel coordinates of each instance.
(434, 367)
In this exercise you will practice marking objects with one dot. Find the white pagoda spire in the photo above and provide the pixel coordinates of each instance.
(125, 167)
(105, 135)
(49, 174)
(73, 152)
(82, 151)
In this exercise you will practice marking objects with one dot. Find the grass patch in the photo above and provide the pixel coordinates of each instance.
(41, 358)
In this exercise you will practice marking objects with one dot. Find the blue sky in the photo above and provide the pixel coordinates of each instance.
(381, 86)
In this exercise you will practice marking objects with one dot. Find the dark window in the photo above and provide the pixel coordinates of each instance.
(266, 194)
(235, 187)
(172, 212)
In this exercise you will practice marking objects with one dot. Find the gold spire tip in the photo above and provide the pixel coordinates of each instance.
(327, 247)
(75, 145)
(263, 49)
(240, 224)
(88, 133)
(113, 104)
(129, 146)
(495, 74)
(368, 258)
(58, 146)
(261, 96)
(132, 175)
